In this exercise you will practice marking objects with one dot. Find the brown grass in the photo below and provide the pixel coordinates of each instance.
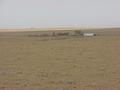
(88, 63)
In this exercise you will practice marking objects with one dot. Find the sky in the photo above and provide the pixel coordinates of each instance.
(59, 13)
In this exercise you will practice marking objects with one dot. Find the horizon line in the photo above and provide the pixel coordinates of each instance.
(53, 28)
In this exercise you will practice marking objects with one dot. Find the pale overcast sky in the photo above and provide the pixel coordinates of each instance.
(59, 13)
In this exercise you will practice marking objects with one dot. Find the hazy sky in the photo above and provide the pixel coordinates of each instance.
(59, 13)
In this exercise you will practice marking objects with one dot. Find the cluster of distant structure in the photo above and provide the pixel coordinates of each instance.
(76, 33)
(64, 33)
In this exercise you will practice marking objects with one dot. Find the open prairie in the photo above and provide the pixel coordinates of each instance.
(60, 63)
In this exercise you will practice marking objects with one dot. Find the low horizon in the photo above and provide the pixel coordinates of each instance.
(54, 28)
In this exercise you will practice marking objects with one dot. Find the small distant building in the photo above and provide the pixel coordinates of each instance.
(88, 34)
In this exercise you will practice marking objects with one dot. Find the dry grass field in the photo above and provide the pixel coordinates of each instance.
(74, 63)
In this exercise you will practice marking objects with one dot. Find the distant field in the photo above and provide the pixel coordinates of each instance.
(60, 63)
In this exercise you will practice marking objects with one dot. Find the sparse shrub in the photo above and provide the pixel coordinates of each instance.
(44, 35)
(33, 35)
(63, 34)
(78, 32)
(53, 34)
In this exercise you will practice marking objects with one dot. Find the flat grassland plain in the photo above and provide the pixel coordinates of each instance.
(60, 63)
